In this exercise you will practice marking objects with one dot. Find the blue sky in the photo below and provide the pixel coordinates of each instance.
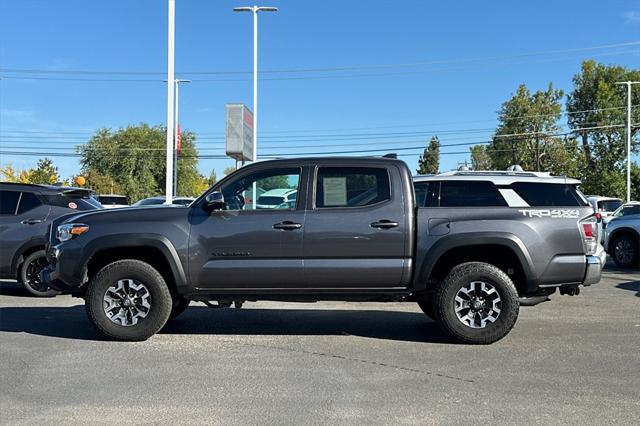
(470, 57)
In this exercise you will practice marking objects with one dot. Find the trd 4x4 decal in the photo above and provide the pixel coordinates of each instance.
(554, 214)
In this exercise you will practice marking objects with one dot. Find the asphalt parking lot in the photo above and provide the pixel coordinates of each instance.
(574, 360)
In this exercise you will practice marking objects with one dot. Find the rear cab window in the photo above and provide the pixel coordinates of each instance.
(458, 193)
(350, 187)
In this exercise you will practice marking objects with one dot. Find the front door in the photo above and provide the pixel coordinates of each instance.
(356, 230)
(257, 241)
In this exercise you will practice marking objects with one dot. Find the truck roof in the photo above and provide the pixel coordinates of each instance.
(499, 177)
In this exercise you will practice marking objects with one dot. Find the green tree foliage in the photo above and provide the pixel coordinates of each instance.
(274, 182)
(527, 133)
(212, 178)
(45, 172)
(228, 170)
(597, 112)
(635, 181)
(131, 161)
(479, 158)
(429, 162)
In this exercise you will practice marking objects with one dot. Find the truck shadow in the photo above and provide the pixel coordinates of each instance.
(631, 286)
(71, 323)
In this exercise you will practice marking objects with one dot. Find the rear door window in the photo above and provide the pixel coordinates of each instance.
(470, 194)
(548, 194)
(9, 202)
(28, 201)
(352, 186)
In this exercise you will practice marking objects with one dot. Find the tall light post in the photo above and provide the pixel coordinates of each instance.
(629, 84)
(176, 136)
(170, 101)
(255, 10)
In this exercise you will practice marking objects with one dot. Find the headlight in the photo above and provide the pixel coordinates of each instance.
(69, 230)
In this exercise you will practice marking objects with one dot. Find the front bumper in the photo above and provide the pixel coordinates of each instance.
(595, 264)
(66, 272)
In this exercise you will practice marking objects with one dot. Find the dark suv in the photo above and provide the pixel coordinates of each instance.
(25, 213)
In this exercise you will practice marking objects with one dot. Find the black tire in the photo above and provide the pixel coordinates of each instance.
(159, 300)
(427, 307)
(30, 275)
(471, 274)
(624, 251)
(180, 304)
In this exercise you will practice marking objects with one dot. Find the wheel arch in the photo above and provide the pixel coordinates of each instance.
(153, 249)
(489, 247)
(25, 250)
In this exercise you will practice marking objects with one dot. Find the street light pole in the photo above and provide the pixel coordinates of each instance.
(629, 84)
(255, 10)
(176, 135)
(170, 102)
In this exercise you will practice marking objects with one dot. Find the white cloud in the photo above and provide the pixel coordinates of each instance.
(632, 17)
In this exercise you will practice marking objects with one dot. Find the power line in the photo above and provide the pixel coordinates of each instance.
(329, 69)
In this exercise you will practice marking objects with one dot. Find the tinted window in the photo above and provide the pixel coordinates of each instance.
(112, 200)
(28, 201)
(630, 210)
(427, 194)
(69, 202)
(470, 194)
(8, 202)
(351, 186)
(608, 205)
(548, 194)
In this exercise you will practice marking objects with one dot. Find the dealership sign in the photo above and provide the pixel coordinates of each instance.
(239, 133)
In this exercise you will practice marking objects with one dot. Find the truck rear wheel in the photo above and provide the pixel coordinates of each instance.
(128, 300)
(476, 303)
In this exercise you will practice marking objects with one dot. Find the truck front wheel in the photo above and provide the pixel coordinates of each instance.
(476, 303)
(128, 300)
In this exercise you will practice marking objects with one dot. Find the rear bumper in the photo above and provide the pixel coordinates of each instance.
(595, 264)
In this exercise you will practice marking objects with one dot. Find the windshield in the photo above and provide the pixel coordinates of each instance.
(270, 200)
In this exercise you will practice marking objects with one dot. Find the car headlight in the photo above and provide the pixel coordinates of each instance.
(69, 230)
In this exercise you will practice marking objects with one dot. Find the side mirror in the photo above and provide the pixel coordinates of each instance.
(214, 201)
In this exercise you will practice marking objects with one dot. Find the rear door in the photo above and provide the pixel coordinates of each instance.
(22, 225)
(355, 233)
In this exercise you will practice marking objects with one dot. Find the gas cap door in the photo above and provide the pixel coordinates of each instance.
(439, 226)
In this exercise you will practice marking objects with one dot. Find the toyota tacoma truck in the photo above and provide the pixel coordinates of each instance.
(469, 248)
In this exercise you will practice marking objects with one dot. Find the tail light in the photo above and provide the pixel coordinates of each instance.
(589, 233)
(598, 216)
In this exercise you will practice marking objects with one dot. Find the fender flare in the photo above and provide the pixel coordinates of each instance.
(432, 255)
(155, 241)
(18, 257)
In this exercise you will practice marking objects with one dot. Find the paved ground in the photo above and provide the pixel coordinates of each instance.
(574, 360)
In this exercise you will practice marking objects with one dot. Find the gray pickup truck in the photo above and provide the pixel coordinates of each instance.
(356, 231)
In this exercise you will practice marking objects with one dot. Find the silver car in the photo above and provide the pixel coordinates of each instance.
(622, 236)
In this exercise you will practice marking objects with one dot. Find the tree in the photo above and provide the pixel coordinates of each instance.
(131, 160)
(479, 158)
(429, 162)
(527, 132)
(9, 173)
(45, 172)
(635, 181)
(228, 170)
(596, 111)
(212, 178)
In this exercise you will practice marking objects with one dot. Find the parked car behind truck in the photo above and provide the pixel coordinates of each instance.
(355, 233)
(26, 211)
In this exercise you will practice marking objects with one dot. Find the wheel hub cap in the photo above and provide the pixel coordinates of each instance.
(624, 251)
(478, 304)
(127, 302)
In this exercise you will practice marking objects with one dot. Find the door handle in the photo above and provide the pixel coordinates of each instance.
(31, 221)
(287, 225)
(385, 224)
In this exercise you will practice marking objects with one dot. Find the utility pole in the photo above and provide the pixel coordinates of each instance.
(176, 135)
(629, 84)
(170, 102)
